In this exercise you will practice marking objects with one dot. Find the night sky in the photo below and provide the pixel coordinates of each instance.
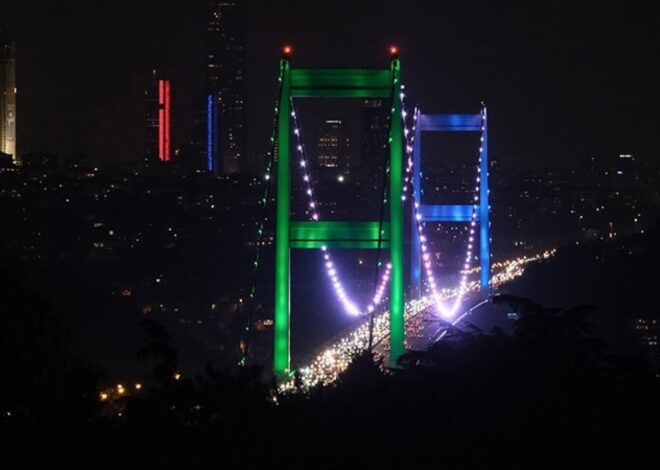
(561, 80)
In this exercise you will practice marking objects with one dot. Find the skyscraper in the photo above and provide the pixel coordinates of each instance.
(226, 36)
(158, 128)
(374, 136)
(333, 146)
(8, 96)
(194, 154)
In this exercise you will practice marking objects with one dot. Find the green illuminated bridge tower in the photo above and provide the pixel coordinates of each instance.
(337, 83)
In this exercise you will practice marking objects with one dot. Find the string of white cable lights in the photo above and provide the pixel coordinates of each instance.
(314, 214)
(330, 266)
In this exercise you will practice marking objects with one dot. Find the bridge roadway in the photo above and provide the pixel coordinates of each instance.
(423, 326)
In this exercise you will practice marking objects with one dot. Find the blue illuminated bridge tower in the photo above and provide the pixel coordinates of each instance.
(455, 212)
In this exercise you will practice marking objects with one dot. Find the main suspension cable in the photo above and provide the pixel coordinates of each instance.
(314, 215)
(245, 346)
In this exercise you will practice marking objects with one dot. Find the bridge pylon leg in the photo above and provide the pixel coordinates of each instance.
(484, 207)
(397, 320)
(415, 242)
(281, 316)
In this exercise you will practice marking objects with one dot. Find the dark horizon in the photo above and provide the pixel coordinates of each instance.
(561, 80)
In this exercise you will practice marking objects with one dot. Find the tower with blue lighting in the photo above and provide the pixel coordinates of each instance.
(213, 141)
(455, 212)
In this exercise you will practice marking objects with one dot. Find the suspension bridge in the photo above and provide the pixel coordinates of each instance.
(383, 328)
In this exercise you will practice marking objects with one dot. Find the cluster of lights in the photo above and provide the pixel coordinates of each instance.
(511, 269)
(119, 391)
(327, 365)
(330, 267)
(335, 357)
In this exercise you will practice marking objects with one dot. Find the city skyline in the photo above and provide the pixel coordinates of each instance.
(561, 76)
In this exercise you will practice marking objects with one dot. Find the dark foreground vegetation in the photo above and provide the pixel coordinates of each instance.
(549, 395)
(554, 393)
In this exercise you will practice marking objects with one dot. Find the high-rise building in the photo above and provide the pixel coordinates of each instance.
(374, 136)
(226, 44)
(194, 153)
(8, 96)
(333, 146)
(158, 112)
(213, 162)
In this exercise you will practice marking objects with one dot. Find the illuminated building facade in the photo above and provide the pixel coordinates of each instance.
(213, 148)
(8, 96)
(158, 126)
(333, 146)
(226, 39)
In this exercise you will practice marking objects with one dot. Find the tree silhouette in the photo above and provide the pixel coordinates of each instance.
(157, 347)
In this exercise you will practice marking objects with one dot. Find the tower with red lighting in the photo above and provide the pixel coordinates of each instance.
(158, 112)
